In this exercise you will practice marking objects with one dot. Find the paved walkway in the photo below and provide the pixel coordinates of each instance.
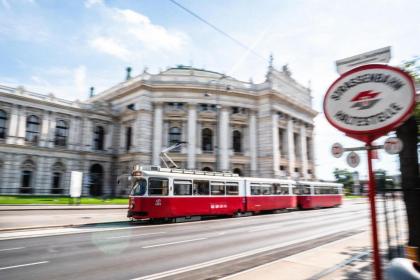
(49, 216)
(347, 258)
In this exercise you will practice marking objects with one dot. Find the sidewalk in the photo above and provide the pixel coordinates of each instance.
(36, 217)
(347, 258)
(26, 207)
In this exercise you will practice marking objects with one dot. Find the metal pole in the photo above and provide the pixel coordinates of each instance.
(372, 193)
(397, 227)
(388, 237)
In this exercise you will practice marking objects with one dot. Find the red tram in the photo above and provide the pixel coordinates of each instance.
(164, 193)
(312, 195)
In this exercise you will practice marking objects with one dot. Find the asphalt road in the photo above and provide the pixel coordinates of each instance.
(213, 248)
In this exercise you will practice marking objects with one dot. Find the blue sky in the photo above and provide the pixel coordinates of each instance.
(64, 47)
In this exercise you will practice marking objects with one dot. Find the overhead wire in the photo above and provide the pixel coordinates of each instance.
(239, 43)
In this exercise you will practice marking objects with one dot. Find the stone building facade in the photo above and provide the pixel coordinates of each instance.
(252, 129)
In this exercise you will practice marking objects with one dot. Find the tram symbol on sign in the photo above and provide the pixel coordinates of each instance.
(365, 99)
(158, 202)
(353, 159)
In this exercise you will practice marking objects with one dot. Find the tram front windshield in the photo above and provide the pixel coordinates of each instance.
(139, 187)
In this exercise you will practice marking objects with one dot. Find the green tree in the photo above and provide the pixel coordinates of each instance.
(344, 177)
(408, 133)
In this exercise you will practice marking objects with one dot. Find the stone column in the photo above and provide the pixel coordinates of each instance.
(109, 138)
(13, 125)
(123, 138)
(192, 129)
(253, 142)
(143, 135)
(275, 143)
(21, 127)
(45, 129)
(223, 145)
(71, 139)
(303, 151)
(157, 133)
(87, 133)
(6, 179)
(290, 146)
(51, 132)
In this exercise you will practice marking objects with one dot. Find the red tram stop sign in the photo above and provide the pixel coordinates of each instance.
(366, 103)
(369, 101)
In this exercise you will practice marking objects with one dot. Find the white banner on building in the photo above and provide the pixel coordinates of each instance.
(76, 184)
(382, 55)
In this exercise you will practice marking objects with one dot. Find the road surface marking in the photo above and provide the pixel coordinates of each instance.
(135, 235)
(22, 265)
(10, 249)
(176, 242)
(241, 255)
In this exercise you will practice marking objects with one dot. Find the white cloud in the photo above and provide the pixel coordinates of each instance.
(110, 46)
(5, 4)
(125, 33)
(90, 3)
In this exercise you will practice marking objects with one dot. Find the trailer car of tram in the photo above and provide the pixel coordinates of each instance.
(311, 195)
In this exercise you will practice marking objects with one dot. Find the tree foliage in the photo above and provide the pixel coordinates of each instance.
(344, 177)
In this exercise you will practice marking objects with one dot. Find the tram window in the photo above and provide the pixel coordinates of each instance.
(232, 188)
(139, 187)
(303, 190)
(266, 189)
(182, 187)
(158, 186)
(319, 190)
(280, 189)
(217, 188)
(201, 187)
(255, 189)
(306, 189)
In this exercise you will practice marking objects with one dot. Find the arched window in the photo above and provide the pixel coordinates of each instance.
(128, 138)
(61, 133)
(207, 140)
(208, 169)
(57, 178)
(237, 141)
(237, 171)
(3, 121)
(32, 129)
(175, 137)
(96, 174)
(28, 168)
(98, 140)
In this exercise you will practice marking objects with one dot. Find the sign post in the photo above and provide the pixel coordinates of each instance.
(366, 103)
